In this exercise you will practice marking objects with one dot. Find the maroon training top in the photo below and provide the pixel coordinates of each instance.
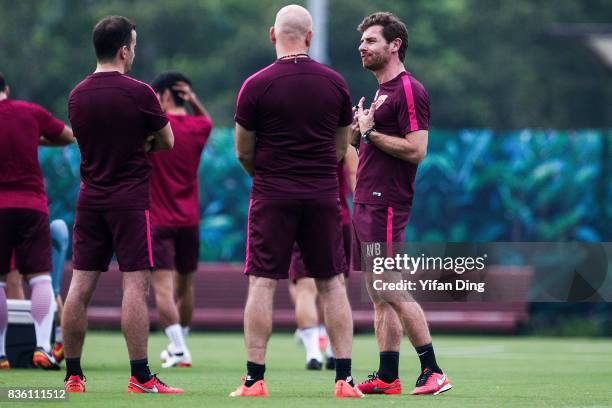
(402, 107)
(21, 125)
(174, 178)
(295, 107)
(111, 115)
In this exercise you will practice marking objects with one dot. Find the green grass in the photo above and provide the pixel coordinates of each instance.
(485, 372)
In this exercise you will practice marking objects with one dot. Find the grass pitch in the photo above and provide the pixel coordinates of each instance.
(485, 372)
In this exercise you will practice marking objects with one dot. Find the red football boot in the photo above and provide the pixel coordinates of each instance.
(374, 385)
(153, 386)
(431, 383)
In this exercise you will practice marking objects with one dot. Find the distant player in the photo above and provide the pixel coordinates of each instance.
(394, 133)
(176, 212)
(116, 120)
(309, 318)
(292, 127)
(59, 249)
(24, 215)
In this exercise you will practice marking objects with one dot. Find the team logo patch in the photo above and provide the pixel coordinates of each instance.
(380, 100)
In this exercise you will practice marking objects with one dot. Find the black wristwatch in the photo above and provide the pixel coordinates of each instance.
(365, 135)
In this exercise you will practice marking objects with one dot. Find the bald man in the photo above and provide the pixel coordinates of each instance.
(292, 126)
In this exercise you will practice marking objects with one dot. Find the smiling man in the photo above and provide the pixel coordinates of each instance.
(392, 138)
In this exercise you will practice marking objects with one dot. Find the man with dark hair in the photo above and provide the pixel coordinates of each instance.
(24, 215)
(116, 120)
(176, 212)
(292, 127)
(392, 138)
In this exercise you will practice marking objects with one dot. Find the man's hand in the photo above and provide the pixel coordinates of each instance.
(149, 142)
(365, 118)
(185, 92)
(355, 135)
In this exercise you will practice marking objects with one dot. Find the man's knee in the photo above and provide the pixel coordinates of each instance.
(325, 286)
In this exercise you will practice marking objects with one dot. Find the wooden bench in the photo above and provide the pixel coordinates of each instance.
(221, 290)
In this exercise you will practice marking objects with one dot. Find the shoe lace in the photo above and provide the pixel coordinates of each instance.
(158, 380)
(371, 377)
(422, 380)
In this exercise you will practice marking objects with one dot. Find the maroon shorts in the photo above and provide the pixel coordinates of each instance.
(26, 232)
(97, 233)
(274, 226)
(297, 270)
(176, 248)
(376, 223)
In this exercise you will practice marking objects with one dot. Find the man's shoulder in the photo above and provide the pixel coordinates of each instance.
(262, 76)
(120, 82)
(25, 107)
(416, 85)
(22, 105)
(329, 72)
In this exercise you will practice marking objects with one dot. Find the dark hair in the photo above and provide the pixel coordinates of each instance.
(392, 28)
(2, 82)
(167, 80)
(110, 34)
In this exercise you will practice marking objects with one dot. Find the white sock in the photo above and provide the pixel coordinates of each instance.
(3, 318)
(43, 310)
(185, 330)
(58, 334)
(175, 334)
(310, 339)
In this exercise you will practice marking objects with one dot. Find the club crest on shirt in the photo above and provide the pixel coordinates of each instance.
(380, 99)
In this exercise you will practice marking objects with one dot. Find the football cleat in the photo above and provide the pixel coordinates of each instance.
(314, 364)
(345, 390)
(171, 357)
(75, 383)
(44, 360)
(178, 360)
(330, 364)
(58, 352)
(4, 363)
(153, 386)
(374, 385)
(258, 389)
(431, 383)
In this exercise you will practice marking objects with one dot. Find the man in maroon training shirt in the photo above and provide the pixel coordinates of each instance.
(176, 212)
(116, 120)
(24, 216)
(292, 120)
(393, 133)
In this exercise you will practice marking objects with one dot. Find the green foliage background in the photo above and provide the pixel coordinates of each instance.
(474, 186)
(486, 64)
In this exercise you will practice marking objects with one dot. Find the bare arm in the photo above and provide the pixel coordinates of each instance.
(411, 148)
(65, 138)
(163, 139)
(350, 164)
(342, 140)
(245, 149)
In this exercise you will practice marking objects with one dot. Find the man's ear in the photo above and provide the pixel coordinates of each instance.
(272, 35)
(396, 44)
(166, 96)
(308, 39)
